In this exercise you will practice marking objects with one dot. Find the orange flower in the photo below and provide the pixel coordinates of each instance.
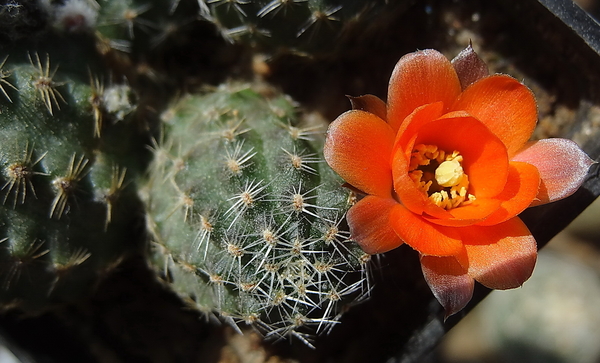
(446, 167)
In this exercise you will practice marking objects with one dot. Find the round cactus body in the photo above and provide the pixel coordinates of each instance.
(248, 218)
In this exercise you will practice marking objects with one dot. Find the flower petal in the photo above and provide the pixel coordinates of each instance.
(420, 78)
(562, 166)
(425, 237)
(521, 188)
(369, 222)
(469, 67)
(410, 127)
(504, 105)
(359, 148)
(369, 103)
(404, 186)
(449, 282)
(501, 256)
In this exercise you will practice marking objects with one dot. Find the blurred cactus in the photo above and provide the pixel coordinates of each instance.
(292, 25)
(311, 26)
(248, 219)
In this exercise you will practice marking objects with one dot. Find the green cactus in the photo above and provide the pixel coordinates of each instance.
(66, 169)
(248, 219)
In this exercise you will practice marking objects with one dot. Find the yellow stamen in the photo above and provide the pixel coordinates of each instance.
(440, 175)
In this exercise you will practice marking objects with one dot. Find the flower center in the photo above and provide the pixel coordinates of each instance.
(440, 175)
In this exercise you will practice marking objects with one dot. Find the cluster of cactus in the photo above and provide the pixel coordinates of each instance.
(248, 218)
(67, 206)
